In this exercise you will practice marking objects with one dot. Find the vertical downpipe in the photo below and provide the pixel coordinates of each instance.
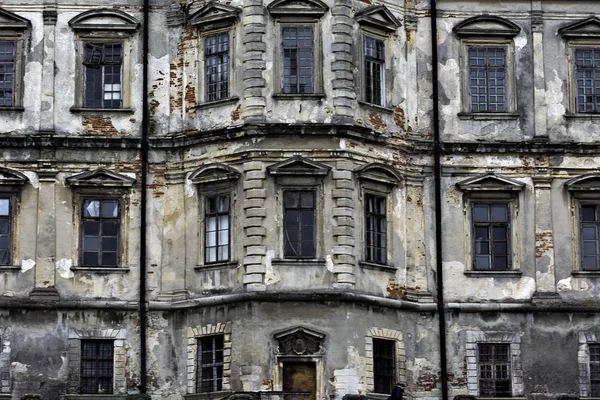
(437, 155)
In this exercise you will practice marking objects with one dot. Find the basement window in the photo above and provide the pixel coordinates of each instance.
(594, 370)
(384, 365)
(210, 364)
(97, 366)
(494, 369)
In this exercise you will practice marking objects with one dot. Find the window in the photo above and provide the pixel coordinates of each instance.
(587, 75)
(384, 364)
(375, 229)
(491, 233)
(103, 67)
(216, 66)
(101, 230)
(374, 70)
(12, 37)
(5, 230)
(10, 185)
(210, 364)
(385, 360)
(494, 369)
(594, 370)
(589, 222)
(487, 79)
(216, 217)
(299, 223)
(297, 54)
(8, 58)
(97, 366)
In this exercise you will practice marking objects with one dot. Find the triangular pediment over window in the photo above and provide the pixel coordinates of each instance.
(378, 17)
(100, 178)
(9, 20)
(589, 27)
(215, 15)
(584, 183)
(487, 25)
(214, 173)
(490, 182)
(10, 177)
(298, 166)
(297, 7)
(379, 173)
(104, 19)
(299, 341)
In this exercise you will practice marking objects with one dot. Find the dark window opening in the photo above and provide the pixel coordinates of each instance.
(587, 71)
(8, 54)
(589, 223)
(101, 231)
(103, 64)
(216, 64)
(375, 229)
(216, 217)
(298, 59)
(5, 231)
(384, 365)
(374, 71)
(487, 79)
(97, 366)
(491, 232)
(494, 370)
(299, 224)
(209, 376)
(594, 370)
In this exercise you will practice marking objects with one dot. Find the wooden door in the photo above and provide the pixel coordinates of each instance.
(299, 377)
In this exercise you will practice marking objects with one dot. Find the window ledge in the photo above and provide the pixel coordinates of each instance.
(299, 96)
(496, 274)
(14, 108)
(299, 261)
(583, 116)
(102, 270)
(381, 267)
(207, 395)
(376, 107)
(377, 396)
(590, 274)
(102, 110)
(217, 265)
(220, 102)
(95, 397)
(10, 268)
(488, 115)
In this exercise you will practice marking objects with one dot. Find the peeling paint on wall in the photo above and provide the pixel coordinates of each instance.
(63, 266)
(27, 264)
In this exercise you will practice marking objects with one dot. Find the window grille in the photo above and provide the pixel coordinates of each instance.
(217, 218)
(384, 365)
(8, 50)
(299, 223)
(103, 64)
(487, 79)
(594, 370)
(375, 229)
(491, 232)
(494, 370)
(5, 231)
(210, 364)
(216, 64)
(101, 230)
(97, 366)
(587, 71)
(374, 70)
(298, 59)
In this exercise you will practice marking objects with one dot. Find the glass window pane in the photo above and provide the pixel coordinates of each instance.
(91, 208)
(4, 226)
(589, 232)
(4, 207)
(224, 222)
(499, 213)
(91, 243)
(482, 262)
(90, 258)
(109, 258)
(290, 199)
(588, 213)
(307, 200)
(4, 257)
(91, 227)
(110, 208)
(110, 228)
(481, 233)
(480, 213)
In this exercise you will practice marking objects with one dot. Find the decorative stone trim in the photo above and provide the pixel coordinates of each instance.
(120, 355)
(342, 64)
(255, 212)
(583, 359)
(388, 334)
(5, 369)
(476, 337)
(193, 333)
(253, 57)
(344, 255)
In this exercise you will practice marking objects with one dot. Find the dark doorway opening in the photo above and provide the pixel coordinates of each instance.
(299, 380)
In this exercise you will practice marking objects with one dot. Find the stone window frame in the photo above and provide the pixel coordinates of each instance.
(11, 186)
(488, 31)
(214, 19)
(101, 184)
(380, 180)
(584, 33)
(5, 362)
(583, 360)
(379, 23)
(386, 334)
(473, 339)
(492, 188)
(119, 338)
(103, 26)
(17, 29)
(286, 13)
(193, 334)
(211, 180)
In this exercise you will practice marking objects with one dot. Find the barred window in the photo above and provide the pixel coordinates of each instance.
(374, 71)
(299, 224)
(487, 79)
(217, 218)
(5, 231)
(101, 231)
(97, 366)
(209, 376)
(587, 72)
(216, 64)
(375, 229)
(298, 59)
(491, 232)
(8, 49)
(494, 370)
(384, 365)
(103, 64)
(589, 223)
(594, 370)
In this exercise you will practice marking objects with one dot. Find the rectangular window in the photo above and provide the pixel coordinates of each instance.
(374, 71)
(103, 64)
(589, 223)
(8, 49)
(587, 73)
(491, 232)
(299, 224)
(298, 59)
(216, 64)
(5, 231)
(217, 218)
(384, 365)
(100, 232)
(594, 370)
(375, 229)
(96, 366)
(494, 370)
(209, 376)
(487, 79)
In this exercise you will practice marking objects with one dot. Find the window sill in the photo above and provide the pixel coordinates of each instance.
(95, 397)
(220, 102)
(217, 265)
(589, 274)
(487, 115)
(377, 396)
(102, 110)
(10, 268)
(381, 267)
(11, 109)
(299, 96)
(102, 270)
(583, 116)
(493, 274)
(207, 395)
(320, 262)
(376, 107)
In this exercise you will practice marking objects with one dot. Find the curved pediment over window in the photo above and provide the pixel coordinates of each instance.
(587, 28)
(104, 19)
(379, 173)
(584, 183)
(297, 7)
(215, 15)
(490, 182)
(9, 20)
(298, 166)
(299, 341)
(100, 178)
(378, 17)
(10, 177)
(214, 173)
(487, 25)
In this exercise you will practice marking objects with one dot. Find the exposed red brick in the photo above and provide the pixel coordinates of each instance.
(93, 125)
(544, 242)
(399, 116)
(236, 114)
(377, 121)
